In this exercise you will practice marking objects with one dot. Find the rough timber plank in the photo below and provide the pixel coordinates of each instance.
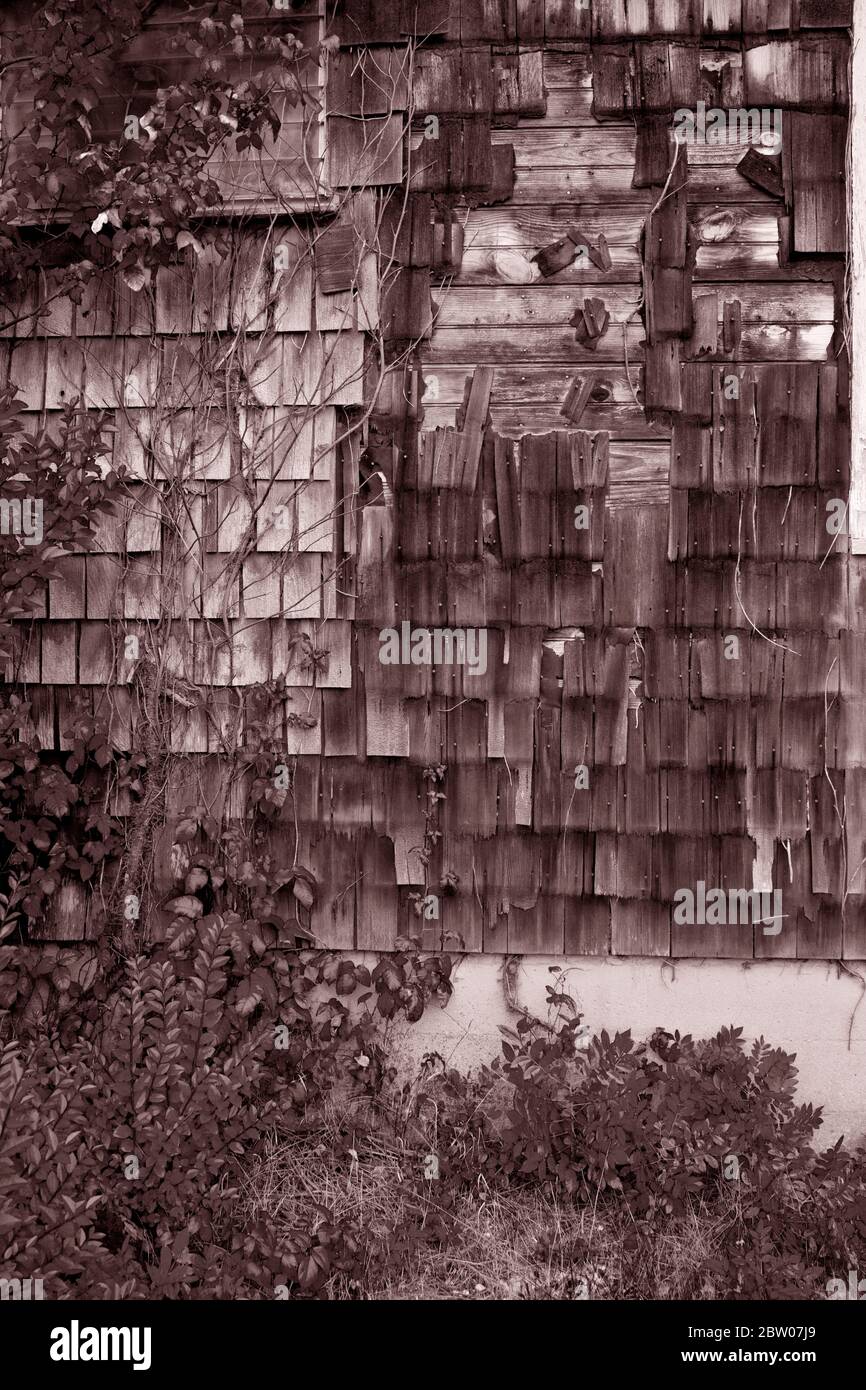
(375, 892)
(640, 928)
(816, 148)
(805, 303)
(365, 153)
(555, 343)
(605, 145)
(612, 186)
(800, 72)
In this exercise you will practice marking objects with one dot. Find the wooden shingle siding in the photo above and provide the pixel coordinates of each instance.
(636, 518)
(287, 170)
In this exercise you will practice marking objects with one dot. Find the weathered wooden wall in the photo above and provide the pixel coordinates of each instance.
(705, 429)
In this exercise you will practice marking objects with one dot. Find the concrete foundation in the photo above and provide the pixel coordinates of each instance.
(805, 1007)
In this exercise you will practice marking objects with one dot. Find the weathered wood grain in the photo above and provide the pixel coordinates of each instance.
(536, 224)
(612, 185)
(600, 146)
(816, 151)
(759, 342)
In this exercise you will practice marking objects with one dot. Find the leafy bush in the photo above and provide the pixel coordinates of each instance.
(122, 1136)
(131, 1119)
(52, 807)
(137, 191)
(62, 473)
(670, 1127)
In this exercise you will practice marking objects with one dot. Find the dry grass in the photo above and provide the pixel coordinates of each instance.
(514, 1243)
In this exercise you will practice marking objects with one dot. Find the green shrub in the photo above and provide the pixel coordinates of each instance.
(668, 1127)
(135, 1104)
(122, 1137)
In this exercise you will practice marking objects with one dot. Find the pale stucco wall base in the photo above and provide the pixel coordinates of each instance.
(804, 1007)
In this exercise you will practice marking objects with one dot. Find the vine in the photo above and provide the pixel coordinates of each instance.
(229, 488)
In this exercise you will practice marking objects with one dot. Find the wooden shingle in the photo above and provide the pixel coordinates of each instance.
(815, 153)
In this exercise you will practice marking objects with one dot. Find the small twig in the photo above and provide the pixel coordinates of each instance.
(855, 975)
(509, 986)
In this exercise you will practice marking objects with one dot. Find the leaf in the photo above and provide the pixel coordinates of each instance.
(303, 892)
(135, 278)
(185, 906)
(185, 239)
(247, 998)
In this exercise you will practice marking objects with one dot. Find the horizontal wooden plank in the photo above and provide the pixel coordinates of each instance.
(485, 265)
(610, 144)
(706, 184)
(735, 260)
(527, 385)
(764, 342)
(532, 393)
(534, 225)
(523, 304)
(571, 146)
(802, 303)
(638, 472)
(532, 344)
(726, 260)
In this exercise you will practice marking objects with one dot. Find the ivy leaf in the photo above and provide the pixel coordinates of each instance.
(135, 278)
(187, 829)
(56, 794)
(185, 239)
(247, 997)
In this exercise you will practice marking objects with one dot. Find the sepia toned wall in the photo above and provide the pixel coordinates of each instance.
(671, 694)
(532, 371)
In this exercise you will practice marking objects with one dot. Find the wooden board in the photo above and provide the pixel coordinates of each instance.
(600, 146)
(803, 304)
(500, 344)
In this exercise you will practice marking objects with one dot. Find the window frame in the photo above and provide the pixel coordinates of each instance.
(319, 198)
